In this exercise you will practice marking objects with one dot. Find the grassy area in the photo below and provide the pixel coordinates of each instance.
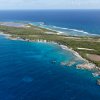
(34, 33)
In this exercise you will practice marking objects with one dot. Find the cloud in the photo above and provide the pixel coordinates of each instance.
(49, 4)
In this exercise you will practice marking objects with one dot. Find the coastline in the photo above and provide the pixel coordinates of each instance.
(86, 62)
(45, 41)
(59, 39)
(63, 33)
(58, 32)
(6, 35)
(85, 65)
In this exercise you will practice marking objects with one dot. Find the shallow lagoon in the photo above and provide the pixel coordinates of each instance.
(27, 73)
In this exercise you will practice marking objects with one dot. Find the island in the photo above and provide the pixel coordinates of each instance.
(86, 47)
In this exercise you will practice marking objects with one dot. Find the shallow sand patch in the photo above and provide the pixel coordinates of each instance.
(14, 24)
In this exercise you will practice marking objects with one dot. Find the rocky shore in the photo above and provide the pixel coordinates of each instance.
(41, 37)
(88, 66)
(85, 65)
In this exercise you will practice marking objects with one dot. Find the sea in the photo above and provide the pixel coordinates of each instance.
(34, 70)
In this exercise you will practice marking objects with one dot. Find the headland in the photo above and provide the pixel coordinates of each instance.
(86, 48)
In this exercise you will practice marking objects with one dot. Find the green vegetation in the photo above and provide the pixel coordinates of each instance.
(34, 33)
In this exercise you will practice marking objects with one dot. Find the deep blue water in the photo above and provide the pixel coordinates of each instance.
(27, 73)
(26, 68)
(84, 20)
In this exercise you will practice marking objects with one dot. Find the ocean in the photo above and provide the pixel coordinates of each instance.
(73, 22)
(33, 70)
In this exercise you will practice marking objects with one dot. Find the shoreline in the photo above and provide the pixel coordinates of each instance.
(74, 52)
(45, 41)
(58, 32)
(62, 46)
(90, 66)
(65, 42)
(6, 35)
(85, 65)
(62, 33)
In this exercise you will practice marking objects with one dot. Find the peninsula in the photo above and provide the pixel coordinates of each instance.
(86, 46)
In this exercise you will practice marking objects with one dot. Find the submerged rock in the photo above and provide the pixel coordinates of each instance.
(88, 66)
(63, 63)
(69, 64)
(96, 74)
(53, 62)
(98, 82)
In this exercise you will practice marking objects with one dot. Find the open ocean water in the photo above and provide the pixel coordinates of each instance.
(74, 22)
(26, 68)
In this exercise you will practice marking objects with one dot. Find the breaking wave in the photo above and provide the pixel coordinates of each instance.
(63, 30)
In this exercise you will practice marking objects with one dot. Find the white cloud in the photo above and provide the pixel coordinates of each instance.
(49, 4)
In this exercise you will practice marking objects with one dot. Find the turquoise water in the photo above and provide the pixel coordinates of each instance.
(33, 71)
(27, 73)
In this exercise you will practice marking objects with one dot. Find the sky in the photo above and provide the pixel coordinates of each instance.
(49, 4)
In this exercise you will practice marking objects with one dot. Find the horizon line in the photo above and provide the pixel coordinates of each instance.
(47, 9)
